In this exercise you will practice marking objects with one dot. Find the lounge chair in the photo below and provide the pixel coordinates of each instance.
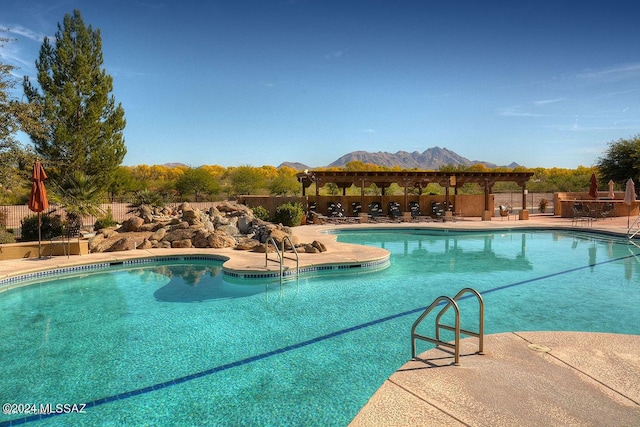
(394, 210)
(335, 210)
(414, 208)
(356, 208)
(375, 209)
(437, 211)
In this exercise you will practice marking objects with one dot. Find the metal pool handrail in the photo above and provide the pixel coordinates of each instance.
(451, 302)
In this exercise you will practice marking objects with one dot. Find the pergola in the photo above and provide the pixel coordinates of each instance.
(408, 179)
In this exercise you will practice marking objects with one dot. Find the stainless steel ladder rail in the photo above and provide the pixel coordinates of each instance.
(450, 302)
(631, 234)
(280, 253)
(294, 251)
(480, 333)
(415, 335)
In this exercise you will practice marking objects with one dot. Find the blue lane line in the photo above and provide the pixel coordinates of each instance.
(186, 378)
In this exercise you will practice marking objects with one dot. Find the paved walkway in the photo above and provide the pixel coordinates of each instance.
(523, 378)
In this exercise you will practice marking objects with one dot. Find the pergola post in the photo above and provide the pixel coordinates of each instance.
(486, 215)
(524, 213)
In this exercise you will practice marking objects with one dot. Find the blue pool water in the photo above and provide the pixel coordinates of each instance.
(174, 343)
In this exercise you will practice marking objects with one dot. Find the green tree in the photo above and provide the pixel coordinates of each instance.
(246, 179)
(83, 125)
(284, 184)
(14, 158)
(79, 196)
(621, 160)
(197, 181)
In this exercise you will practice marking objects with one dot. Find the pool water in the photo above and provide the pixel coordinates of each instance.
(174, 343)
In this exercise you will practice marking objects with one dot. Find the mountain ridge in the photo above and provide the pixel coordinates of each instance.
(431, 159)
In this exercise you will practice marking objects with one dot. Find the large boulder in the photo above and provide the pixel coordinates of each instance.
(200, 239)
(182, 244)
(220, 240)
(178, 234)
(247, 244)
(158, 234)
(229, 230)
(132, 224)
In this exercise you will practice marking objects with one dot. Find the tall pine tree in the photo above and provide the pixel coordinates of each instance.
(84, 127)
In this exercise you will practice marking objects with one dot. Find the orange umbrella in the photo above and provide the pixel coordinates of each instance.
(38, 201)
(593, 188)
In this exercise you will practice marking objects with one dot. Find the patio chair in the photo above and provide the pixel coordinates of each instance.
(69, 232)
(607, 211)
(505, 210)
(581, 214)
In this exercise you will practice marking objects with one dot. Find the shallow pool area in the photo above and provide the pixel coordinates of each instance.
(174, 340)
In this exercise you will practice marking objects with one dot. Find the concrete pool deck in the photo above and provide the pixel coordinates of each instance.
(523, 378)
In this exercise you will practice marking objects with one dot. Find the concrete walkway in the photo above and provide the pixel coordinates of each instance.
(524, 378)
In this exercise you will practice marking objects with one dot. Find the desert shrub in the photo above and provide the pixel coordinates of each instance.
(6, 236)
(261, 212)
(52, 226)
(289, 214)
(542, 206)
(105, 221)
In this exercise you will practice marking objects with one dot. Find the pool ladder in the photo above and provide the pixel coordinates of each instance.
(634, 229)
(280, 253)
(451, 302)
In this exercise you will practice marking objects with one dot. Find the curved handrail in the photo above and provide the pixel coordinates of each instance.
(414, 335)
(480, 333)
(280, 253)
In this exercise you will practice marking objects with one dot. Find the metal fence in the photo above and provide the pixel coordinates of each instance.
(533, 201)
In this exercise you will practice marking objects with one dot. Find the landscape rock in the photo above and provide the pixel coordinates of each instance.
(225, 224)
(182, 244)
(132, 224)
(319, 246)
(201, 239)
(221, 240)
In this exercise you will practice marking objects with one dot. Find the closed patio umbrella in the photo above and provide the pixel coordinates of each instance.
(593, 187)
(38, 201)
(611, 194)
(629, 197)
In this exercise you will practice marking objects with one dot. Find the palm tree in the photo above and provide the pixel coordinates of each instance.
(79, 196)
(145, 199)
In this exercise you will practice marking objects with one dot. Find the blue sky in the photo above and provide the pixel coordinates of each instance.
(539, 83)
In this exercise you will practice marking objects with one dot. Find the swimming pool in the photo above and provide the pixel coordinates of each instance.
(174, 342)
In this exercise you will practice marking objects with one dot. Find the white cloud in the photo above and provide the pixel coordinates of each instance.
(336, 54)
(621, 72)
(547, 101)
(21, 31)
(516, 112)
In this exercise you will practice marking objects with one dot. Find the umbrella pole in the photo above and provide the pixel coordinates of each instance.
(39, 237)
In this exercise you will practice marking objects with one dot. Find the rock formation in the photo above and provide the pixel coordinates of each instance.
(225, 225)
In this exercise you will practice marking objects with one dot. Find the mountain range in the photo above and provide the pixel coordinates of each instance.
(431, 159)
